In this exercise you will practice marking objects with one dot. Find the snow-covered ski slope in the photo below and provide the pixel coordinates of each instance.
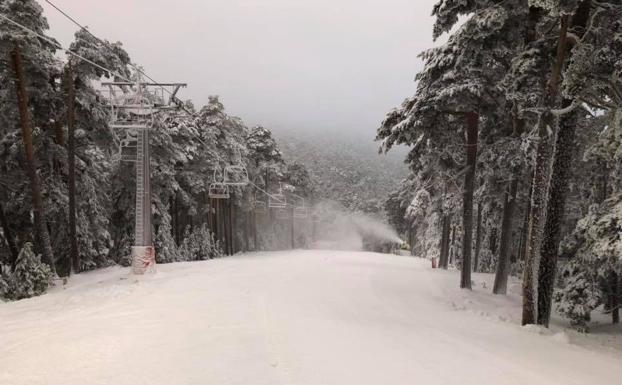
(302, 317)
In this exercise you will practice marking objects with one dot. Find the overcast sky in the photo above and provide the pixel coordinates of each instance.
(288, 64)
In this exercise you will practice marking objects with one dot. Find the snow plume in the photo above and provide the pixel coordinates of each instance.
(339, 229)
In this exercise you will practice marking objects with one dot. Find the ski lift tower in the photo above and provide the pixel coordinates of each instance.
(133, 108)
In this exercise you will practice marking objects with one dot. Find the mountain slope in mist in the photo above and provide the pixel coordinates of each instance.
(346, 168)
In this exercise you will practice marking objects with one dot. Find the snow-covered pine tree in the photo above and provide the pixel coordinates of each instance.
(33, 69)
(458, 86)
(30, 277)
(592, 278)
(95, 147)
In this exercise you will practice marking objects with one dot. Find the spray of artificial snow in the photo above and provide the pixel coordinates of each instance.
(338, 229)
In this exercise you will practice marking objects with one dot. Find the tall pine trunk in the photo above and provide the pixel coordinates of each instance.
(255, 244)
(478, 237)
(524, 232)
(413, 237)
(41, 229)
(564, 148)
(292, 228)
(451, 250)
(472, 119)
(232, 228)
(562, 163)
(544, 154)
(444, 257)
(503, 266)
(614, 296)
(71, 160)
(8, 236)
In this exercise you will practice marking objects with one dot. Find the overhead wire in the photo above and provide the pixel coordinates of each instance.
(107, 45)
(68, 51)
(60, 47)
(270, 195)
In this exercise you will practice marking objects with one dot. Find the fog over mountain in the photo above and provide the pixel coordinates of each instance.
(346, 168)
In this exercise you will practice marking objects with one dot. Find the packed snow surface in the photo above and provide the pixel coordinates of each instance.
(301, 317)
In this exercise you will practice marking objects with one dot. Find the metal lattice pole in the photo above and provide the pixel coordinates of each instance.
(139, 110)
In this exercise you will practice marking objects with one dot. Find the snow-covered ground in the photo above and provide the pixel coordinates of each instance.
(302, 317)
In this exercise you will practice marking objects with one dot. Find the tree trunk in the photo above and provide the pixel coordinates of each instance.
(171, 211)
(227, 218)
(478, 237)
(8, 235)
(492, 241)
(614, 296)
(544, 154)
(71, 160)
(469, 186)
(535, 228)
(232, 228)
(452, 249)
(444, 257)
(413, 237)
(442, 242)
(562, 163)
(292, 229)
(59, 134)
(37, 202)
(524, 232)
(255, 245)
(503, 265)
(217, 223)
(246, 231)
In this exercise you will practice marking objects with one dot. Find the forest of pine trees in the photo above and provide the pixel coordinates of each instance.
(514, 159)
(515, 135)
(67, 199)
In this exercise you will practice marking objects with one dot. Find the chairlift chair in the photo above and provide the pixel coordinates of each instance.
(218, 190)
(260, 207)
(218, 176)
(300, 210)
(277, 201)
(282, 214)
(235, 175)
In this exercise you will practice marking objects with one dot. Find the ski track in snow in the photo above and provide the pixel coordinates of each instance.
(297, 317)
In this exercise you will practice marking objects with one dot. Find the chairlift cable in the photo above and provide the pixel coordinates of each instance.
(268, 194)
(107, 45)
(60, 47)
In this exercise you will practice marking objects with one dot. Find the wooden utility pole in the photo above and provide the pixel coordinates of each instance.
(71, 159)
(37, 202)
